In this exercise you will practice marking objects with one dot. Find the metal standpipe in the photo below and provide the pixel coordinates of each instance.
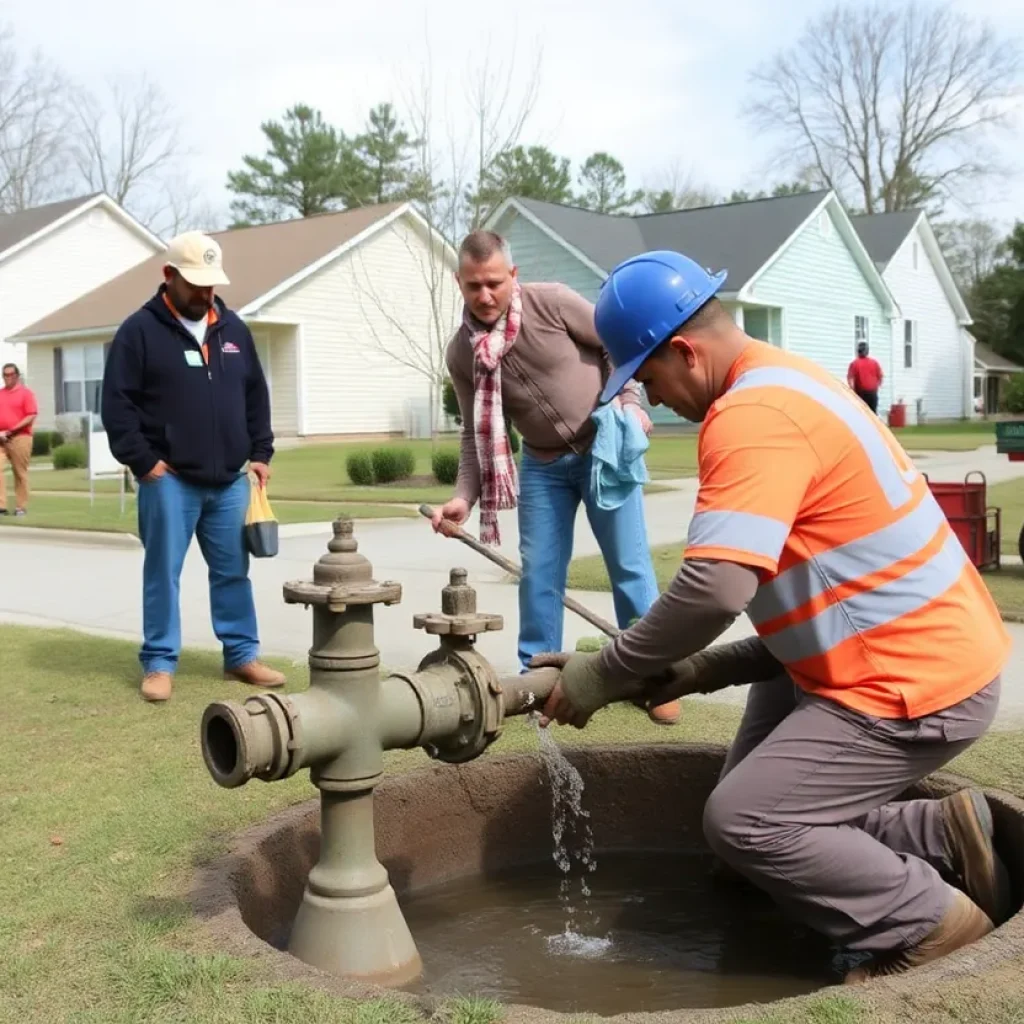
(349, 923)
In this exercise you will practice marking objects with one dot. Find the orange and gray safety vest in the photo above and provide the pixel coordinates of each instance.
(867, 596)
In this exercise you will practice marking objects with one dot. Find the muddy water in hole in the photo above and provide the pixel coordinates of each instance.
(656, 933)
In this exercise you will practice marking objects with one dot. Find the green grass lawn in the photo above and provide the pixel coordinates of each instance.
(960, 436)
(316, 472)
(106, 807)
(70, 512)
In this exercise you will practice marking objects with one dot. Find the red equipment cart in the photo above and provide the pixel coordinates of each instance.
(976, 524)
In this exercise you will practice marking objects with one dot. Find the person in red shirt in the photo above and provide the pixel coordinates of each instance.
(865, 377)
(18, 410)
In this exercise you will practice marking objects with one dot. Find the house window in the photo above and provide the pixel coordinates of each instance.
(914, 255)
(909, 343)
(860, 331)
(82, 377)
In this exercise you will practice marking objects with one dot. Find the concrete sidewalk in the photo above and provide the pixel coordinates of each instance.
(64, 579)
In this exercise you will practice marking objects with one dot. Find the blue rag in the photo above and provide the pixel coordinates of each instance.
(617, 456)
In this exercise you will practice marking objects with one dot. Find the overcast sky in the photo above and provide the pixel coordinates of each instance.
(655, 82)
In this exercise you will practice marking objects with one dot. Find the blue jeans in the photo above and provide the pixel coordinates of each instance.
(549, 495)
(171, 511)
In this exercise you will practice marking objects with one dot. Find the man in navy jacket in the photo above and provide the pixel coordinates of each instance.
(185, 406)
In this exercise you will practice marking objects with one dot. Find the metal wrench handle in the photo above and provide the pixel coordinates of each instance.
(456, 531)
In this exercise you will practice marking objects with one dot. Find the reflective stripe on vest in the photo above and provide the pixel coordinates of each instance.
(744, 531)
(891, 478)
(877, 607)
(864, 556)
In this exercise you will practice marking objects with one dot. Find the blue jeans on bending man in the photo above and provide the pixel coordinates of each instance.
(549, 496)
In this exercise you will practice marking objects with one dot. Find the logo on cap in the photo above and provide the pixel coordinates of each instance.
(209, 256)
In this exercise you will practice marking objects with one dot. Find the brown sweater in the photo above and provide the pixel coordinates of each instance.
(551, 379)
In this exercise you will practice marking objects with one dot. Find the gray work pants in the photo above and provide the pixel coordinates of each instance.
(802, 810)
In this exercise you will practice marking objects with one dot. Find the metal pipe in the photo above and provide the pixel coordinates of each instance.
(529, 691)
(453, 530)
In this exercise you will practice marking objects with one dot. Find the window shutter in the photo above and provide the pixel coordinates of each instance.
(58, 380)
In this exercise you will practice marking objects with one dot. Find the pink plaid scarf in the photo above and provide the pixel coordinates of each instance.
(499, 484)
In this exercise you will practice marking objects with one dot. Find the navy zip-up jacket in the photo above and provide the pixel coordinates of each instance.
(162, 401)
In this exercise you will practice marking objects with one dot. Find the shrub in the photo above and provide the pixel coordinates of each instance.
(445, 465)
(360, 469)
(44, 441)
(406, 463)
(69, 456)
(391, 464)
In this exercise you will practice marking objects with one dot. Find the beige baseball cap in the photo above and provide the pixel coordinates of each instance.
(198, 258)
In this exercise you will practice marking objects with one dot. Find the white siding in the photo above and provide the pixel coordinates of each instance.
(276, 345)
(937, 375)
(364, 318)
(76, 258)
(39, 371)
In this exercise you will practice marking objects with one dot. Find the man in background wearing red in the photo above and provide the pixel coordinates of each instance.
(865, 377)
(18, 411)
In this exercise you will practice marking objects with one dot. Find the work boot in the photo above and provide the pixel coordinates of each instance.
(255, 674)
(156, 686)
(978, 868)
(965, 922)
(665, 714)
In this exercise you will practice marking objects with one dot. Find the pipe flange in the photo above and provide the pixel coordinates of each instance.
(440, 624)
(339, 596)
(481, 705)
(257, 739)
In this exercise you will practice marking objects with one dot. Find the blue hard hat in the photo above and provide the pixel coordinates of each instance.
(642, 301)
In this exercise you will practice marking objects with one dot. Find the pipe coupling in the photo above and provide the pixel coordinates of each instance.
(462, 703)
(258, 739)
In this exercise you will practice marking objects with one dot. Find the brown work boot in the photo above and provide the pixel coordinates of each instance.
(963, 924)
(255, 674)
(665, 714)
(979, 870)
(156, 686)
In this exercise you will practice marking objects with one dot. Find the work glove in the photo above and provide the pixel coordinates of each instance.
(712, 669)
(581, 688)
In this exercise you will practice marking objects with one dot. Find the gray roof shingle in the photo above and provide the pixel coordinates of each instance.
(883, 233)
(16, 227)
(739, 237)
(992, 360)
(256, 260)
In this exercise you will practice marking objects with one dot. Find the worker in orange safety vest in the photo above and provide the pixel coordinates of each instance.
(812, 520)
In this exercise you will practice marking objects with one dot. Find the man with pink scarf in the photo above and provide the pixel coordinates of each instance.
(529, 353)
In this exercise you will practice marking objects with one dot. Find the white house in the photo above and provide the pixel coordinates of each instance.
(52, 254)
(932, 362)
(350, 313)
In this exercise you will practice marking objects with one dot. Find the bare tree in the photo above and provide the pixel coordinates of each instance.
(449, 160)
(891, 104)
(33, 123)
(497, 119)
(129, 146)
(972, 248)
